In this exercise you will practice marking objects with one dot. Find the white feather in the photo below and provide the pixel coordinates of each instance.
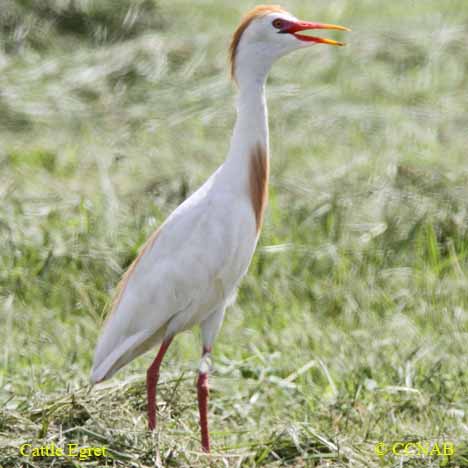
(193, 267)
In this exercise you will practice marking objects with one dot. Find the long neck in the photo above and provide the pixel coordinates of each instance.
(246, 167)
(252, 120)
(250, 130)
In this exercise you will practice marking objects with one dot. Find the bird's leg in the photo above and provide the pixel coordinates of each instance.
(202, 387)
(152, 377)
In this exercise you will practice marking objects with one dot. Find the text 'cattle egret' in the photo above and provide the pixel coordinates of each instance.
(189, 269)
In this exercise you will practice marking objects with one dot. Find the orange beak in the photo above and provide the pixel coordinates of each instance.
(294, 28)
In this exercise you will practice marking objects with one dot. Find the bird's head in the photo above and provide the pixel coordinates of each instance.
(265, 34)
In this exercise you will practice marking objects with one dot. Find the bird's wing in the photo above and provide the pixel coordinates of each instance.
(174, 277)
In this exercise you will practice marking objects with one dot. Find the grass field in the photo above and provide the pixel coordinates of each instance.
(351, 327)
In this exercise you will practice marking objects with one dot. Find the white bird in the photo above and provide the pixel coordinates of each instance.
(188, 270)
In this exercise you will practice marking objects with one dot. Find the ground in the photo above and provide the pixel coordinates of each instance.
(351, 326)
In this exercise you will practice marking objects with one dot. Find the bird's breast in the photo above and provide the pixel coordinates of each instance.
(224, 247)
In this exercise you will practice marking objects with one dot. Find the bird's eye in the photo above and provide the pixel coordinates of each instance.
(277, 23)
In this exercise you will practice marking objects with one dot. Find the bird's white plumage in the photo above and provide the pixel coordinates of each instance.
(191, 269)
(189, 272)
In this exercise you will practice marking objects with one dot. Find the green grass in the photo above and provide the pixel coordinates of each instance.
(351, 327)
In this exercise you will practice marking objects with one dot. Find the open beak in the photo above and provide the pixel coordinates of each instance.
(295, 27)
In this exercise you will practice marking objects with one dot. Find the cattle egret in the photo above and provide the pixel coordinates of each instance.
(188, 270)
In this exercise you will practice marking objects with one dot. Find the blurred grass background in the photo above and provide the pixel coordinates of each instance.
(351, 327)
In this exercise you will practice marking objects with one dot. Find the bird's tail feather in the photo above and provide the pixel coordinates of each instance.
(128, 350)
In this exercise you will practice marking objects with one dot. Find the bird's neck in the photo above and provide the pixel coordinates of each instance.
(252, 120)
(250, 131)
(245, 171)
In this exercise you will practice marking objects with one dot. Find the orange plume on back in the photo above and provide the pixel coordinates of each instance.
(258, 181)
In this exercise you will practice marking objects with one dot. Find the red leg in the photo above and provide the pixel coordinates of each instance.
(202, 387)
(152, 376)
